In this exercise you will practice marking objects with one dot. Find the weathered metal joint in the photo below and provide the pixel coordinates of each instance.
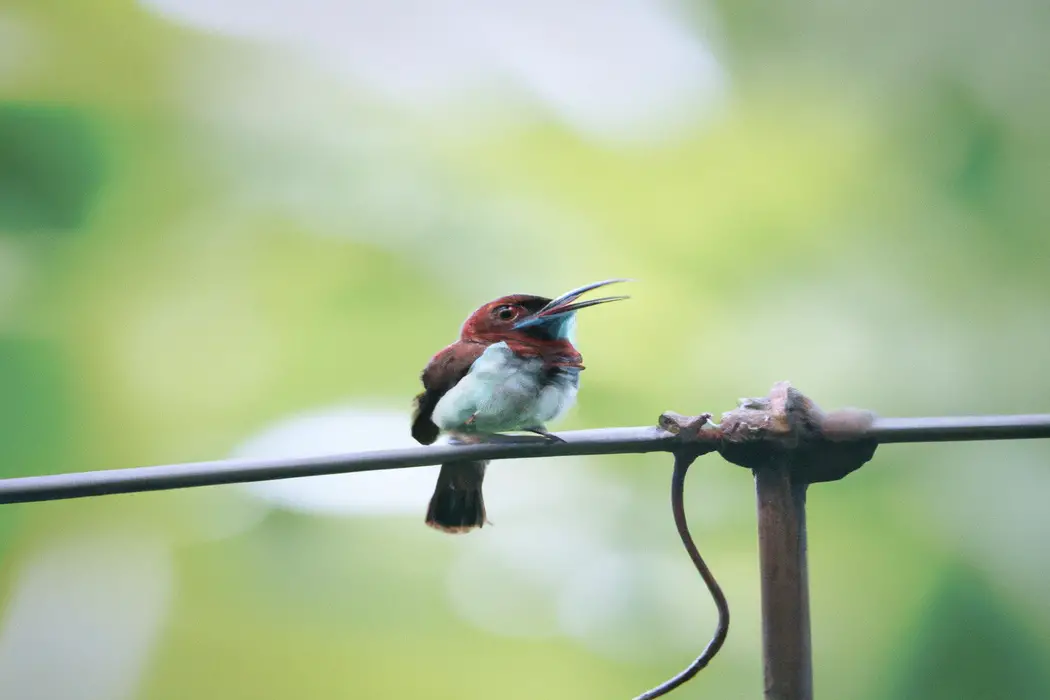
(819, 446)
(697, 434)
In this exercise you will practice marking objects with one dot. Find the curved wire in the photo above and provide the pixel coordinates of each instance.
(682, 460)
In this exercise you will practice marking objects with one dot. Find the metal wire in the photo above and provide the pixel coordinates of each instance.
(578, 442)
(961, 428)
(682, 460)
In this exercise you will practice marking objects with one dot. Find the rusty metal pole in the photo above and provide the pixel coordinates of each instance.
(788, 442)
(788, 661)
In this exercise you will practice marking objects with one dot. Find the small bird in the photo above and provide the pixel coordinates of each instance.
(514, 368)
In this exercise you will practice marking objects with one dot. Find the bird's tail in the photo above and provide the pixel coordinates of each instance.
(457, 505)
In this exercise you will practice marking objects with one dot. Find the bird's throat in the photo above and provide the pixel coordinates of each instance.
(554, 353)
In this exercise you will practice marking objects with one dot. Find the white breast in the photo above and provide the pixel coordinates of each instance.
(505, 392)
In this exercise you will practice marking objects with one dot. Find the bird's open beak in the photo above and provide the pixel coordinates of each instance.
(567, 304)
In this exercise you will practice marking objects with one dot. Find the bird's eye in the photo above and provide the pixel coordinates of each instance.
(505, 313)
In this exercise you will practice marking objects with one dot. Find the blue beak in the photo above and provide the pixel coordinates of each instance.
(560, 310)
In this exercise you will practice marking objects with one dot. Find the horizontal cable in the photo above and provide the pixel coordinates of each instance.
(578, 442)
(887, 430)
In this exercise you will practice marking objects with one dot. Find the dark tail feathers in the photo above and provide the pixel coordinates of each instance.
(457, 505)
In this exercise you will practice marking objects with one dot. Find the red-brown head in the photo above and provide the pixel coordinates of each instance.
(529, 319)
(496, 320)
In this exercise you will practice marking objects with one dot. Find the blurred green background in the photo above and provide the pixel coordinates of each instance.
(241, 229)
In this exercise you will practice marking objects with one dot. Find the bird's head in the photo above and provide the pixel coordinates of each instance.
(524, 316)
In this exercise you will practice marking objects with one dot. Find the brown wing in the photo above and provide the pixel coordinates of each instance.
(444, 372)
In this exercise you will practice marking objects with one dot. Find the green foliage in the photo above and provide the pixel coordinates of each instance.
(35, 407)
(969, 644)
(51, 167)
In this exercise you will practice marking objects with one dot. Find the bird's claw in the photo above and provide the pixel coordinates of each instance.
(549, 437)
(506, 439)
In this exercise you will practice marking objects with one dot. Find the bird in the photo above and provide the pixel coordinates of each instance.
(514, 368)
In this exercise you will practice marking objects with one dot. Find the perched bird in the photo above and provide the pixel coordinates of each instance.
(514, 368)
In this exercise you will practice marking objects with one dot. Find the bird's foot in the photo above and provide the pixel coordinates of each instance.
(458, 438)
(463, 437)
(548, 436)
(509, 439)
